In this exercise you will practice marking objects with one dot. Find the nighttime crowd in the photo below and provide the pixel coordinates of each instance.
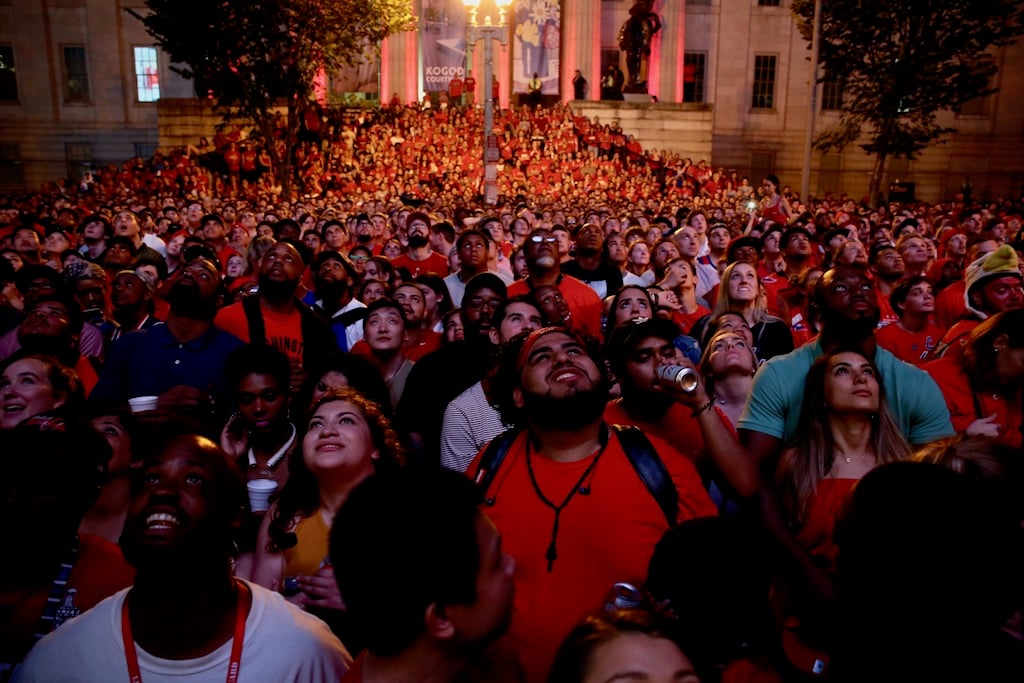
(643, 419)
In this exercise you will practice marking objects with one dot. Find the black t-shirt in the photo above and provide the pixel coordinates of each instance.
(606, 279)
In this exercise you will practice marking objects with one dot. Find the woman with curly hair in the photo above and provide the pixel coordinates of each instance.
(344, 440)
(36, 384)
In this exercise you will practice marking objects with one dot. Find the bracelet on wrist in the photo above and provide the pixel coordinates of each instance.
(704, 408)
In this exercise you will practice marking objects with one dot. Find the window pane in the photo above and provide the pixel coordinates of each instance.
(80, 158)
(147, 80)
(8, 82)
(832, 93)
(764, 82)
(769, 3)
(693, 76)
(12, 171)
(76, 75)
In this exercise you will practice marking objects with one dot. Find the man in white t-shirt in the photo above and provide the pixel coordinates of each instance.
(186, 615)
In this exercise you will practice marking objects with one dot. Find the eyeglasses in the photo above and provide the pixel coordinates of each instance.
(537, 239)
(358, 258)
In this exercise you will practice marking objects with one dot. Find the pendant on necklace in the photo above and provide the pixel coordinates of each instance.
(848, 459)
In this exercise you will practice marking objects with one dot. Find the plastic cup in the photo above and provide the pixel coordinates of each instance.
(141, 404)
(259, 493)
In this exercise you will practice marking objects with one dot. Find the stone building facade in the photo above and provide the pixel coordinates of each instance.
(81, 84)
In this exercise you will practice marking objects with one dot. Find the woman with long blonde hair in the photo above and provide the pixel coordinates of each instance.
(742, 292)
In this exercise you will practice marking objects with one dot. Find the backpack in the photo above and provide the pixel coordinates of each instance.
(638, 449)
(317, 337)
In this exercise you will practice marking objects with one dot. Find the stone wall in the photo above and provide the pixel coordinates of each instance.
(683, 128)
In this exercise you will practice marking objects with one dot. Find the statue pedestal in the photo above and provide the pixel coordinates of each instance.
(637, 97)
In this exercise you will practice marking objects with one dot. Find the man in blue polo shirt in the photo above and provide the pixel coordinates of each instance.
(846, 301)
(182, 361)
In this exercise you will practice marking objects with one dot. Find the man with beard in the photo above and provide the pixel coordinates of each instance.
(588, 266)
(442, 375)
(333, 275)
(435, 622)
(182, 361)
(545, 269)
(846, 301)
(276, 317)
(419, 340)
(420, 258)
(364, 233)
(567, 499)
(186, 616)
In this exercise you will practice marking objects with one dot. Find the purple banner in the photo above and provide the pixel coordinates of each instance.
(443, 40)
(538, 31)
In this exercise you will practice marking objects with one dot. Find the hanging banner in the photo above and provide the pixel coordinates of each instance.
(538, 31)
(443, 41)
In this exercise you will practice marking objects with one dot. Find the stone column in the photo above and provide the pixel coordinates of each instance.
(665, 71)
(400, 65)
(581, 46)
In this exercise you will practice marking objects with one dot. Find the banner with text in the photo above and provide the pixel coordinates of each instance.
(443, 40)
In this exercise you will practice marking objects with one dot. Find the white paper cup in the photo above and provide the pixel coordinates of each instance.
(141, 404)
(259, 493)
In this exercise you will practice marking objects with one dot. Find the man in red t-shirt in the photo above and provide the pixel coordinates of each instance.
(420, 259)
(470, 87)
(286, 323)
(545, 269)
(689, 421)
(455, 92)
(913, 336)
(569, 505)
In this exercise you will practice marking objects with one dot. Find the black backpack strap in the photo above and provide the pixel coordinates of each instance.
(494, 455)
(318, 340)
(651, 470)
(254, 318)
(351, 317)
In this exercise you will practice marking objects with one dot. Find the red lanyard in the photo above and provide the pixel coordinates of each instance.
(234, 665)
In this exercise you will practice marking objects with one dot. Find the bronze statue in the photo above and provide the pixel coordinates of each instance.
(635, 40)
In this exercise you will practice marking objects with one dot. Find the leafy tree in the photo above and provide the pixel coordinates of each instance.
(901, 63)
(252, 54)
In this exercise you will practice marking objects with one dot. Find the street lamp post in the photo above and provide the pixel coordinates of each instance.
(488, 31)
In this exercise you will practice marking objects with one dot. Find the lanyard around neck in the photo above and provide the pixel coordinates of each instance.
(234, 664)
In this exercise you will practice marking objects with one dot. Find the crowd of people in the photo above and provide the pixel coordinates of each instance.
(640, 420)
